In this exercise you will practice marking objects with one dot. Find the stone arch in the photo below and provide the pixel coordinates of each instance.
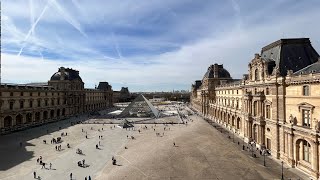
(7, 121)
(19, 119)
(29, 118)
(303, 151)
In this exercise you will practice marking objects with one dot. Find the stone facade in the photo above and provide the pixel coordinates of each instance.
(276, 105)
(27, 105)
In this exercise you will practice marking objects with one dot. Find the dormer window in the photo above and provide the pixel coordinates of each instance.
(305, 90)
(256, 75)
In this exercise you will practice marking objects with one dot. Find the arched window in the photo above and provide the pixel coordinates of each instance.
(305, 90)
(306, 151)
(256, 75)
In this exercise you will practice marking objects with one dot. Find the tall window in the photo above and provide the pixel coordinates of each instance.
(255, 108)
(305, 90)
(39, 102)
(267, 91)
(306, 151)
(30, 103)
(268, 114)
(306, 117)
(256, 75)
(46, 102)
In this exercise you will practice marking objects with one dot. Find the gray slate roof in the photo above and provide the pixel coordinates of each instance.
(289, 54)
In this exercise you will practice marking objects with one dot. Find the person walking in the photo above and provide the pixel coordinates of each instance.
(34, 175)
(50, 165)
(89, 178)
(85, 178)
(70, 175)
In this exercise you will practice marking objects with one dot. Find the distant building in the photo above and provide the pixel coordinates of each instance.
(276, 105)
(27, 105)
(122, 96)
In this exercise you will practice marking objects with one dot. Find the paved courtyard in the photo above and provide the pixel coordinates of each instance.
(201, 152)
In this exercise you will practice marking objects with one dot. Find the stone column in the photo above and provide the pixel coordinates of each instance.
(290, 150)
(315, 159)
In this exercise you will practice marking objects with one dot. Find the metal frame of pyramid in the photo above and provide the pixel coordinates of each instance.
(140, 105)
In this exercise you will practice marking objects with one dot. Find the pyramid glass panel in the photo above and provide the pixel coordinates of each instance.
(140, 107)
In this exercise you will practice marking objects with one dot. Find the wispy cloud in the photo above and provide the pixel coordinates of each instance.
(146, 45)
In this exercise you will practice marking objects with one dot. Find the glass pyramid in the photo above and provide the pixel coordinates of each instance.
(140, 107)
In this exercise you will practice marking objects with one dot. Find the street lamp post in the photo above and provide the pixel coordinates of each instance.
(282, 170)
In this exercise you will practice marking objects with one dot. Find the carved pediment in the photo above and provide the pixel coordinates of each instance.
(305, 105)
(267, 102)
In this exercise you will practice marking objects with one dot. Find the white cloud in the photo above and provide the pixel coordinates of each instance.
(230, 40)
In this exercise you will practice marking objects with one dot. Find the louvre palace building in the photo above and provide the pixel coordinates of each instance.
(275, 106)
(27, 105)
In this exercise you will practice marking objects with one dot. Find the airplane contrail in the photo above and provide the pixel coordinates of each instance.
(33, 27)
(67, 17)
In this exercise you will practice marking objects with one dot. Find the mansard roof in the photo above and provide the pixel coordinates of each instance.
(290, 54)
(216, 71)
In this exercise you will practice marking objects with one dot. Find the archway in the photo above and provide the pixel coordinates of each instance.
(7, 121)
(19, 119)
(303, 152)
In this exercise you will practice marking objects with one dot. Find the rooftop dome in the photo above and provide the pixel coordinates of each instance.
(216, 71)
(66, 74)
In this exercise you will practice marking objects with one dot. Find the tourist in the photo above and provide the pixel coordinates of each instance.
(97, 146)
(89, 178)
(70, 175)
(85, 178)
(99, 143)
(83, 161)
(38, 160)
(86, 137)
(174, 144)
(50, 165)
(43, 165)
(56, 147)
(34, 175)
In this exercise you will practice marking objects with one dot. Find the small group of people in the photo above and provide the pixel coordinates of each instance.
(82, 164)
(58, 148)
(55, 141)
(100, 137)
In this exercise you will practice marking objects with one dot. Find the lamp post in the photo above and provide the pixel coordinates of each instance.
(282, 170)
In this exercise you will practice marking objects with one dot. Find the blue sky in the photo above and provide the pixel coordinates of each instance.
(146, 45)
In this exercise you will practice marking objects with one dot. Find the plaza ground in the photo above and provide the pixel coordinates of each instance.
(201, 152)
